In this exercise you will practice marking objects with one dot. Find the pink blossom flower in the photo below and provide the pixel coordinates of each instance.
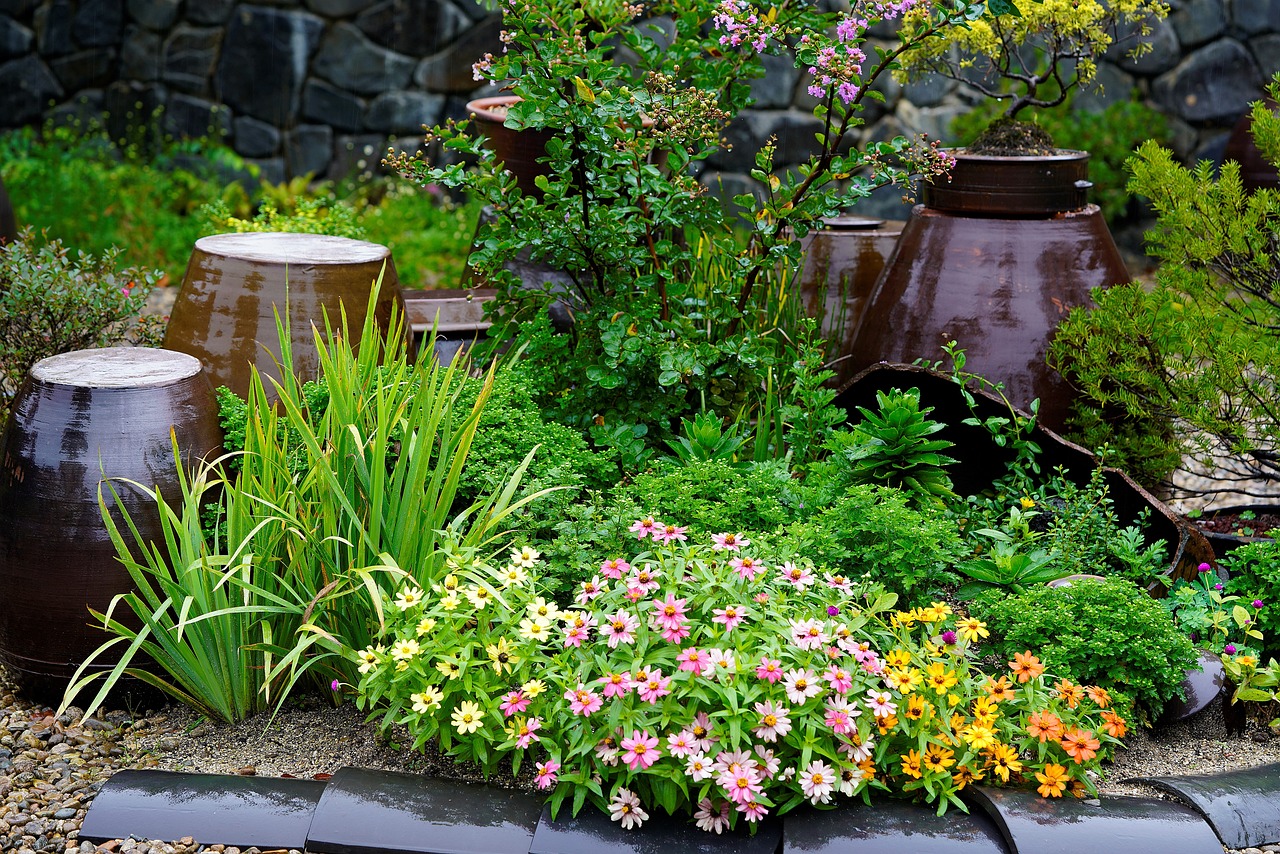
(801, 684)
(625, 808)
(607, 751)
(728, 542)
(753, 810)
(881, 703)
(817, 781)
(513, 703)
(619, 628)
(644, 578)
(693, 660)
(761, 598)
(731, 616)
(746, 567)
(644, 527)
(670, 613)
(527, 732)
(769, 669)
(675, 634)
(740, 782)
(654, 687)
(697, 768)
(680, 744)
(839, 582)
(766, 763)
(547, 774)
(839, 720)
(583, 701)
(710, 819)
(797, 576)
(615, 568)
(858, 748)
(703, 734)
(839, 679)
(616, 684)
(640, 750)
(574, 636)
(589, 590)
(726, 759)
(774, 723)
(669, 533)
(808, 634)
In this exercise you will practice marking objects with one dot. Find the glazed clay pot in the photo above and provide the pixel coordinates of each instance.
(995, 270)
(1255, 172)
(518, 150)
(225, 314)
(842, 261)
(80, 418)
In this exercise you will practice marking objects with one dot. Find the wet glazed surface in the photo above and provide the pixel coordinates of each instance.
(1242, 806)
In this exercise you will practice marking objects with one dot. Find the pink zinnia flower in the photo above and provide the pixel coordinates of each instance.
(711, 819)
(797, 576)
(644, 527)
(740, 782)
(839, 721)
(728, 542)
(616, 684)
(727, 759)
(654, 687)
(527, 732)
(774, 723)
(839, 679)
(808, 634)
(766, 763)
(817, 781)
(680, 744)
(860, 750)
(547, 774)
(619, 628)
(702, 732)
(693, 660)
(839, 582)
(668, 533)
(644, 578)
(730, 617)
(697, 768)
(583, 701)
(640, 750)
(752, 810)
(574, 636)
(625, 808)
(513, 703)
(669, 613)
(881, 703)
(769, 669)
(675, 634)
(746, 567)
(802, 684)
(589, 590)
(615, 568)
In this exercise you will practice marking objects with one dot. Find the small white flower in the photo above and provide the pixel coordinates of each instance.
(625, 808)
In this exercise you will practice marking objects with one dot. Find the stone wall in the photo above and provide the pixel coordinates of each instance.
(321, 85)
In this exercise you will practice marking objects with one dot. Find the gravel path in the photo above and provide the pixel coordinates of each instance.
(50, 769)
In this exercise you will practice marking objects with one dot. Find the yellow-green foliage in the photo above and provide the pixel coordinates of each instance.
(1031, 52)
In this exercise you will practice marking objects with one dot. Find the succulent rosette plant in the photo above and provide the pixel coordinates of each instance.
(696, 678)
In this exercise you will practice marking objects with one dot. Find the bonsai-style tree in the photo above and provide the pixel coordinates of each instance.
(1190, 367)
(1033, 53)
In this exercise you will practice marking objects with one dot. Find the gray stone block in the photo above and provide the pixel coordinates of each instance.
(327, 104)
(928, 91)
(98, 22)
(308, 149)
(131, 105)
(209, 11)
(358, 156)
(190, 117)
(85, 69)
(1266, 52)
(254, 138)
(1164, 54)
(53, 28)
(1215, 84)
(403, 112)
(26, 88)
(1249, 17)
(795, 139)
(264, 61)
(140, 55)
(270, 169)
(1110, 86)
(15, 39)
(1199, 21)
(350, 61)
(449, 71)
(413, 27)
(81, 112)
(338, 8)
(189, 57)
(775, 90)
(155, 14)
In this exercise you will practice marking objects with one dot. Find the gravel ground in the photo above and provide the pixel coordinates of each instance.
(50, 769)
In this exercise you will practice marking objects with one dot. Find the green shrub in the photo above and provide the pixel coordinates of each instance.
(877, 531)
(52, 301)
(1107, 633)
(1255, 576)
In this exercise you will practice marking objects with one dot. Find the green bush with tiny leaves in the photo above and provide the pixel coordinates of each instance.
(1108, 633)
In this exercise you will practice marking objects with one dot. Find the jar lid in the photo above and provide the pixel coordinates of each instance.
(851, 223)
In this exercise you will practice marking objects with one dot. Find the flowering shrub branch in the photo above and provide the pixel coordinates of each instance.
(695, 678)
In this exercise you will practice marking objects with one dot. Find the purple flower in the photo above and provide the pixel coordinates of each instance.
(1204, 567)
(1229, 649)
(334, 685)
(1218, 586)
(949, 637)
(1257, 603)
(832, 610)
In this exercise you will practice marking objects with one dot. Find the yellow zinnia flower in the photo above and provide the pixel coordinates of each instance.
(426, 700)
(466, 717)
(502, 655)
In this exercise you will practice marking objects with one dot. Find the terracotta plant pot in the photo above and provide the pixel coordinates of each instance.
(225, 313)
(80, 418)
(996, 281)
(1255, 172)
(518, 150)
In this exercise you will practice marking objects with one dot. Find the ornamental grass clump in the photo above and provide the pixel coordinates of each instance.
(695, 678)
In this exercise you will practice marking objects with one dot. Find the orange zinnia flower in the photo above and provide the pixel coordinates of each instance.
(1080, 744)
(964, 776)
(911, 763)
(1053, 782)
(999, 689)
(868, 769)
(1069, 692)
(1099, 696)
(1114, 724)
(1045, 726)
(1026, 666)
